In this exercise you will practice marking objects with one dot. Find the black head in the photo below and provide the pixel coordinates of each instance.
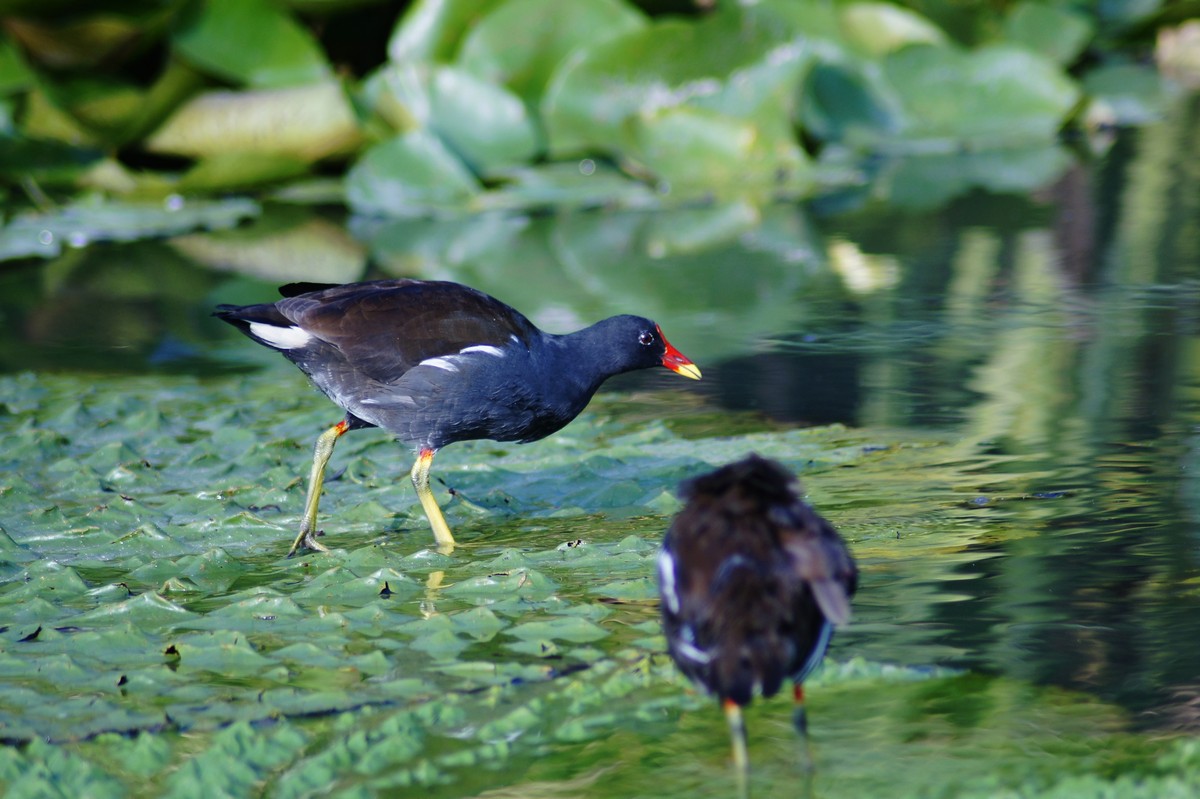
(625, 343)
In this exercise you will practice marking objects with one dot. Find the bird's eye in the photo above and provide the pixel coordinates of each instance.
(646, 338)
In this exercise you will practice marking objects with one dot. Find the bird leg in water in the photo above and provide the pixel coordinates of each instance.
(316, 479)
(420, 479)
(800, 721)
(737, 731)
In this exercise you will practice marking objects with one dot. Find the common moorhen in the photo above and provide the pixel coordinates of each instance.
(435, 362)
(752, 581)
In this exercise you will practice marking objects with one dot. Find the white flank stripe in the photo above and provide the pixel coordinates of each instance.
(439, 363)
(692, 652)
(285, 338)
(391, 399)
(487, 348)
(666, 580)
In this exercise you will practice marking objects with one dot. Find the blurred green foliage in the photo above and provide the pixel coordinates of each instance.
(439, 106)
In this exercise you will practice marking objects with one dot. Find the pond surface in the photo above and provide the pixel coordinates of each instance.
(1017, 374)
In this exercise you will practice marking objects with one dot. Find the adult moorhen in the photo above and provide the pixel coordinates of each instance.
(752, 581)
(435, 362)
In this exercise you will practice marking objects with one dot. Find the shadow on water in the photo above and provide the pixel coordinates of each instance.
(1052, 336)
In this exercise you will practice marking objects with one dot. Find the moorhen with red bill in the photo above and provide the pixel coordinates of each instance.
(434, 362)
(752, 582)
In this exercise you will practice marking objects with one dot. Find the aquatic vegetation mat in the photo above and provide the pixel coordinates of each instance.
(155, 641)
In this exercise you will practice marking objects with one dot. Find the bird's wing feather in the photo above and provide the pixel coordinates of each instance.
(831, 598)
(387, 327)
(819, 557)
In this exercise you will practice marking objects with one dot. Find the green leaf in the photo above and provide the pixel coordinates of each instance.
(877, 29)
(570, 628)
(46, 161)
(1127, 94)
(14, 74)
(1117, 16)
(103, 36)
(850, 103)
(111, 110)
(996, 96)
(519, 43)
(76, 225)
(737, 61)
(237, 759)
(234, 170)
(410, 174)
(695, 151)
(252, 42)
(280, 247)
(1057, 32)
(582, 184)
(103, 106)
(431, 30)
(144, 610)
(304, 122)
(485, 124)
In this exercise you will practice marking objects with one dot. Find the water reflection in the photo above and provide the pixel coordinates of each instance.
(1064, 347)
(1054, 335)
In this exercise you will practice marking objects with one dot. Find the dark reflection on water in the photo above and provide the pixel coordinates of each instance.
(1056, 335)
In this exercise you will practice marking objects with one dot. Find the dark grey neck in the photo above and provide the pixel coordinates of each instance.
(581, 361)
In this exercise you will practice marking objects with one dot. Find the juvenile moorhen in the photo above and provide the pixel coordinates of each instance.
(752, 581)
(435, 362)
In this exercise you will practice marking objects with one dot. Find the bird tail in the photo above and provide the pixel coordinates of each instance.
(265, 324)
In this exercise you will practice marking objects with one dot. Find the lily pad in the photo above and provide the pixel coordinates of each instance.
(696, 151)
(306, 122)
(88, 221)
(282, 247)
(412, 174)
(1059, 33)
(584, 184)
(572, 629)
(384, 665)
(483, 123)
(736, 61)
(1126, 94)
(877, 29)
(849, 102)
(252, 42)
(233, 170)
(519, 43)
(432, 30)
(14, 74)
(996, 96)
(45, 160)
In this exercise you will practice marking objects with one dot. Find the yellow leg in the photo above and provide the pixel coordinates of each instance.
(420, 478)
(737, 731)
(316, 479)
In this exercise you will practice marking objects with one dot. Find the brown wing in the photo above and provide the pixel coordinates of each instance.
(820, 560)
(386, 327)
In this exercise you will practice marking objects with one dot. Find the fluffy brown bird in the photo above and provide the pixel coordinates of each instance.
(753, 582)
